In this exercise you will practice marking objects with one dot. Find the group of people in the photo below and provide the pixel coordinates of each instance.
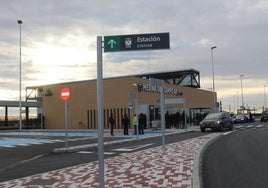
(139, 123)
(125, 122)
(176, 120)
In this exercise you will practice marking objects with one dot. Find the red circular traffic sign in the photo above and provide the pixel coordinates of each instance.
(65, 93)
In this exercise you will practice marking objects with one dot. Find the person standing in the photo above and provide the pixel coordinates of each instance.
(144, 121)
(135, 123)
(111, 121)
(125, 121)
(140, 127)
(177, 120)
(167, 120)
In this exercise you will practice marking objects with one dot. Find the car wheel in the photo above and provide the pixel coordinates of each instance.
(221, 128)
(231, 127)
(202, 130)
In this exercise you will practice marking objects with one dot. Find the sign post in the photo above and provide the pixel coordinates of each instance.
(153, 41)
(100, 111)
(65, 95)
(135, 96)
(159, 83)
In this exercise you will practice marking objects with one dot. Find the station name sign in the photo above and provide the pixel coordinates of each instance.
(153, 41)
(155, 88)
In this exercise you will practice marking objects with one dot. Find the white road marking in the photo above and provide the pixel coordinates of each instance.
(260, 126)
(109, 153)
(132, 148)
(226, 133)
(238, 127)
(9, 146)
(85, 152)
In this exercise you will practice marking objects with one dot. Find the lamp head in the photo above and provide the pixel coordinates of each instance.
(213, 47)
(19, 21)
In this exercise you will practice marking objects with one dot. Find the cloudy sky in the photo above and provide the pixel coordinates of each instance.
(59, 42)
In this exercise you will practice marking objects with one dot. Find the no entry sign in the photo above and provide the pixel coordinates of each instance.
(65, 93)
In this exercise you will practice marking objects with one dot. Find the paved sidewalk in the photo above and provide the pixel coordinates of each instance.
(172, 166)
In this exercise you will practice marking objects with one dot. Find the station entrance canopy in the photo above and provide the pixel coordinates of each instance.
(23, 104)
(188, 78)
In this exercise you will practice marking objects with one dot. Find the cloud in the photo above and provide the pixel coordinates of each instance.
(61, 36)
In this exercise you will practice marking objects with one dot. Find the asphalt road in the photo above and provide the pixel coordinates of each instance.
(237, 160)
(24, 161)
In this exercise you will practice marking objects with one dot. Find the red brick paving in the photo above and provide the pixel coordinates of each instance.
(171, 166)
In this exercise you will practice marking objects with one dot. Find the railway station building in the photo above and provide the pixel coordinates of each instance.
(133, 94)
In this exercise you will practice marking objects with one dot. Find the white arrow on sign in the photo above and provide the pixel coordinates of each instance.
(112, 42)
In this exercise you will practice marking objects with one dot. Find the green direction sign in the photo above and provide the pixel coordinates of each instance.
(153, 41)
(111, 43)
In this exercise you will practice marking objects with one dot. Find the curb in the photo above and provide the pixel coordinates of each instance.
(197, 169)
(95, 145)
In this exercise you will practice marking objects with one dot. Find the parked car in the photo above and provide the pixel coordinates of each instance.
(217, 121)
(240, 118)
(264, 116)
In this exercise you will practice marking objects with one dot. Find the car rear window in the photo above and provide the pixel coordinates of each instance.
(213, 116)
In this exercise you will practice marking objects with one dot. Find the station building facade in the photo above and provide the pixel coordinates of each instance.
(122, 95)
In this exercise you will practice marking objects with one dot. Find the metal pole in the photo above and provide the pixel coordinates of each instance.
(214, 94)
(237, 103)
(66, 124)
(20, 121)
(41, 123)
(100, 111)
(136, 111)
(264, 98)
(162, 114)
(136, 108)
(234, 103)
(242, 96)
(185, 123)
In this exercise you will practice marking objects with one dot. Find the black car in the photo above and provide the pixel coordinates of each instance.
(264, 116)
(240, 118)
(217, 121)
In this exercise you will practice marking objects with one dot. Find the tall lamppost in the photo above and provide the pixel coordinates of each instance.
(264, 98)
(242, 96)
(237, 101)
(234, 103)
(20, 22)
(214, 94)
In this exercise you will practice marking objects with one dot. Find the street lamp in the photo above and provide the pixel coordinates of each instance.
(214, 94)
(264, 98)
(242, 96)
(20, 22)
(237, 101)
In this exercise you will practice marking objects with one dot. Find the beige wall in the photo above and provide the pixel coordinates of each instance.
(83, 101)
